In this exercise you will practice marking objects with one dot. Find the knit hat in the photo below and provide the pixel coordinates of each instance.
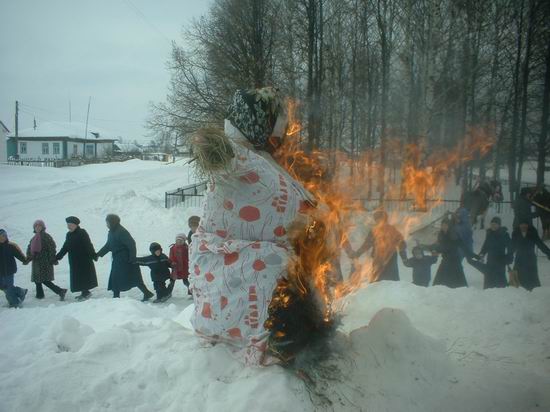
(72, 219)
(258, 114)
(153, 247)
(39, 222)
(182, 236)
(112, 220)
(3, 233)
(496, 220)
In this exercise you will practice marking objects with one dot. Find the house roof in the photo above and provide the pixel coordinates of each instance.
(71, 130)
(3, 126)
(128, 147)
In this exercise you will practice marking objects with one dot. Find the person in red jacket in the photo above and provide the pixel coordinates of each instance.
(179, 257)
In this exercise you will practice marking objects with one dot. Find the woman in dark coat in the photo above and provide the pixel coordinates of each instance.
(9, 251)
(41, 251)
(497, 247)
(125, 273)
(81, 254)
(450, 272)
(386, 242)
(524, 240)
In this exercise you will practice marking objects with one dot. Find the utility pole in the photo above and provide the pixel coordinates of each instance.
(86, 131)
(16, 128)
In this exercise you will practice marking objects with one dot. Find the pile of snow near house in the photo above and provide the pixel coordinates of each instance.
(399, 347)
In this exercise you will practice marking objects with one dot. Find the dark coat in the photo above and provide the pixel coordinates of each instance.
(422, 269)
(497, 247)
(159, 265)
(42, 262)
(523, 212)
(450, 272)
(385, 241)
(525, 259)
(8, 267)
(125, 273)
(81, 253)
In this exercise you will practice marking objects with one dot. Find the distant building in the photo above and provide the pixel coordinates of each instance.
(127, 148)
(3, 143)
(61, 140)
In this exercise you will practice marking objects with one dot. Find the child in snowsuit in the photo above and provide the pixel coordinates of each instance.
(179, 256)
(160, 265)
(421, 266)
(9, 251)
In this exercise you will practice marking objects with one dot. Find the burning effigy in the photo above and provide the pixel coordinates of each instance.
(241, 250)
(266, 258)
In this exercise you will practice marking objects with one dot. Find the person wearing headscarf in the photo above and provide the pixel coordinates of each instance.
(41, 252)
(9, 251)
(125, 272)
(241, 249)
(450, 272)
(81, 255)
(497, 247)
(524, 241)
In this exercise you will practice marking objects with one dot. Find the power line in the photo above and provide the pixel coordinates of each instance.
(146, 20)
(56, 112)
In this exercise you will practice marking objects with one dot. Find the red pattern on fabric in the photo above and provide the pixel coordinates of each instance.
(206, 310)
(258, 265)
(230, 258)
(249, 213)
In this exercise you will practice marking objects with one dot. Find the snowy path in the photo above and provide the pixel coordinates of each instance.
(440, 349)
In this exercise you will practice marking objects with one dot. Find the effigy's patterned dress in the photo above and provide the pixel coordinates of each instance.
(241, 250)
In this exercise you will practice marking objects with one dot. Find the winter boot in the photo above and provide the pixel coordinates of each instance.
(22, 298)
(62, 294)
(147, 295)
(84, 295)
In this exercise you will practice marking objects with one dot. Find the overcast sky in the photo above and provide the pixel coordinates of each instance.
(112, 50)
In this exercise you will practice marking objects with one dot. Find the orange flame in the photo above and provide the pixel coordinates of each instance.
(337, 181)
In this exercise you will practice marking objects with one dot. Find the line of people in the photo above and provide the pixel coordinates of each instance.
(125, 268)
(454, 244)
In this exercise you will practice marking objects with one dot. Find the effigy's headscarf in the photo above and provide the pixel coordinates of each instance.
(258, 114)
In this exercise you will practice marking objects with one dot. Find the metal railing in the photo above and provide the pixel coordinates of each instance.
(189, 196)
(435, 206)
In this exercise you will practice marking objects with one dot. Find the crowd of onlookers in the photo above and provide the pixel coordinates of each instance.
(503, 259)
(125, 272)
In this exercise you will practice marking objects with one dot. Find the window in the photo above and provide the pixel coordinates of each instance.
(23, 147)
(75, 149)
(55, 148)
(45, 148)
(89, 150)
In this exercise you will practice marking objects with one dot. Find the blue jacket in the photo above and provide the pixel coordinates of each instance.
(8, 266)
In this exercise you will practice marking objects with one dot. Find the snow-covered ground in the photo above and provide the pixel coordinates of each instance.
(424, 349)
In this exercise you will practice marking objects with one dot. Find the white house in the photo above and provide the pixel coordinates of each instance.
(3, 143)
(61, 140)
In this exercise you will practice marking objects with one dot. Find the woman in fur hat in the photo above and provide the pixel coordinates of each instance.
(81, 255)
